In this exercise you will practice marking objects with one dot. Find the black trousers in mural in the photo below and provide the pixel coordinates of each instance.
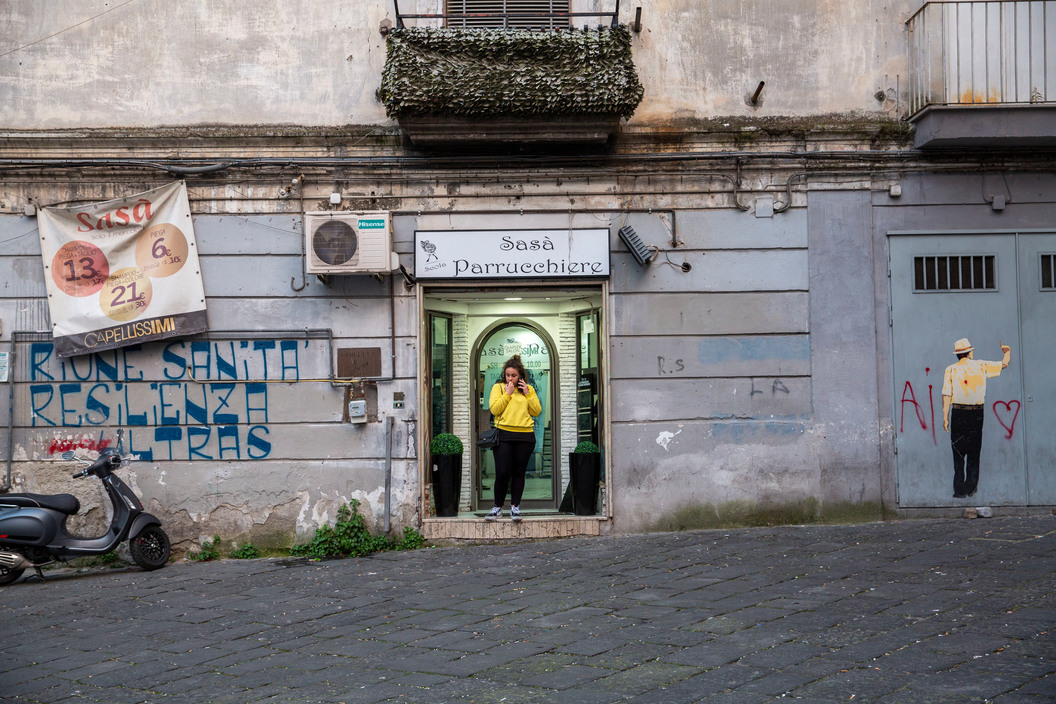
(511, 463)
(966, 437)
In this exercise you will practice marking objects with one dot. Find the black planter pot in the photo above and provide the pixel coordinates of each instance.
(584, 473)
(447, 483)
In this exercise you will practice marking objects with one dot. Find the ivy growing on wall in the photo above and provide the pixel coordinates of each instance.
(488, 72)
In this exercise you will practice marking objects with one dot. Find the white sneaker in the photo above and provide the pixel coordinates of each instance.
(494, 514)
(515, 513)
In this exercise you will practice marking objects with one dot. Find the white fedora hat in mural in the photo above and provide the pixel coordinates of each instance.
(962, 346)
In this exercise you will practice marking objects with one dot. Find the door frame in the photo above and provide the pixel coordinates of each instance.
(423, 291)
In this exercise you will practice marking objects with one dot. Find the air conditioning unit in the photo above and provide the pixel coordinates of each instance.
(342, 242)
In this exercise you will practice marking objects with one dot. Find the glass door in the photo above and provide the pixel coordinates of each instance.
(588, 388)
(540, 365)
(440, 383)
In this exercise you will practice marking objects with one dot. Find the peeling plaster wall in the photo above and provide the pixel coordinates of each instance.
(242, 434)
(304, 62)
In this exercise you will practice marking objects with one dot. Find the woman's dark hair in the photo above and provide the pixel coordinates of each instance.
(514, 362)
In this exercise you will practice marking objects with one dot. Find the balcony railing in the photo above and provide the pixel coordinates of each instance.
(971, 52)
(545, 16)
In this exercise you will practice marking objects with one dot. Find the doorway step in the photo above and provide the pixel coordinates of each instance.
(473, 528)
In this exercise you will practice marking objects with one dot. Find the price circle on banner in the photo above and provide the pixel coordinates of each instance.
(79, 269)
(126, 294)
(161, 250)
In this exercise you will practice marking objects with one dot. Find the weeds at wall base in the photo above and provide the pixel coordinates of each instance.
(349, 537)
(210, 550)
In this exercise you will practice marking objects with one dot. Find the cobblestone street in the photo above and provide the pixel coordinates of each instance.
(909, 612)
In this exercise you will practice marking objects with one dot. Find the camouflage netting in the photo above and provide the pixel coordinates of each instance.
(489, 72)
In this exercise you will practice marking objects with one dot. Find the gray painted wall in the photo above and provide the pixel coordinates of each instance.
(950, 204)
(267, 453)
(758, 379)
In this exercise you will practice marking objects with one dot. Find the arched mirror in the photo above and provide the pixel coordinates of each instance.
(540, 364)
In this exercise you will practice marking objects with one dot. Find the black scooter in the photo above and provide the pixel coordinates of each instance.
(33, 526)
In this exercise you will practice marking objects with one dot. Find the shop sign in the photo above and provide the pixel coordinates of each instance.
(122, 272)
(511, 254)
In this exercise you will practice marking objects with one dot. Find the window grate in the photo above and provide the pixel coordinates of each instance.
(522, 14)
(1048, 272)
(974, 272)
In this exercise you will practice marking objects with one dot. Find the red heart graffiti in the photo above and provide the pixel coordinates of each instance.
(1009, 409)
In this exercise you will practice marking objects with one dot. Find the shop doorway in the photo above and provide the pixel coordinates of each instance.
(469, 335)
(539, 357)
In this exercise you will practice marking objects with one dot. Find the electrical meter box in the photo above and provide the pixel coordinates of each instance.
(357, 410)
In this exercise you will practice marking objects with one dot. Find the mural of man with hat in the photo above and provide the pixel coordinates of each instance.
(963, 404)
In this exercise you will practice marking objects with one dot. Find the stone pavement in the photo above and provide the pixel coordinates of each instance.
(911, 611)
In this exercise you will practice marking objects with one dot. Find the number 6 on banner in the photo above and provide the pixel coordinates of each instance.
(161, 251)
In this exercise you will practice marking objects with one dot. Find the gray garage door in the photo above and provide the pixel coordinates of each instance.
(988, 287)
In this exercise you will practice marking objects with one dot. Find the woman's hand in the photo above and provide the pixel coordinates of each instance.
(511, 386)
(523, 386)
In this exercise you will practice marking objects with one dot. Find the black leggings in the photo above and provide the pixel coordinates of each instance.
(511, 462)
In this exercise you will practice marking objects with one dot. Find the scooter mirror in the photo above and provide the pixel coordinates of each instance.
(68, 455)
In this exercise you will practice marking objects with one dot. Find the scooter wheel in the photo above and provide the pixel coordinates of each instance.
(150, 549)
(8, 576)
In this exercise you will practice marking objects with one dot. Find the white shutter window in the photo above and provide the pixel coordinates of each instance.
(460, 13)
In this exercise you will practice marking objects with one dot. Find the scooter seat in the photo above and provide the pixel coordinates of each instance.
(63, 503)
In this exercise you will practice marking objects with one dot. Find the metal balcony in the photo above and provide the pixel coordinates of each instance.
(983, 73)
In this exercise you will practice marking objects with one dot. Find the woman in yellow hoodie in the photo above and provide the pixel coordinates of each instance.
(515, 406)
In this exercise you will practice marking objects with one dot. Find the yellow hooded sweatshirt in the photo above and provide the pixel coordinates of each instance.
(514, 413)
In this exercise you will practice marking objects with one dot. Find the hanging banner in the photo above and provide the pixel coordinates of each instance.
(122, 272)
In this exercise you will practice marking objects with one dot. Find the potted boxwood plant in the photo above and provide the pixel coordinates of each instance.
(584, 469)
(446, 452)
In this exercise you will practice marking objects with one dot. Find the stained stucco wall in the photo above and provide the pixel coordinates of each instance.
(92, 63)
(242, 434)
(712, 367)
(746, 381)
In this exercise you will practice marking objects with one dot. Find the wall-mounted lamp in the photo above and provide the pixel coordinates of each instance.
(642, 254)
(287, 190)
(335, 198)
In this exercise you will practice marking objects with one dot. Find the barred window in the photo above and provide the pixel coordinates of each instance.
(975, 272)
(530, 14)
(1048, 272)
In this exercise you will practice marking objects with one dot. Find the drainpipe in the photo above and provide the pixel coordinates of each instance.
(10, 412)
(388, 471)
